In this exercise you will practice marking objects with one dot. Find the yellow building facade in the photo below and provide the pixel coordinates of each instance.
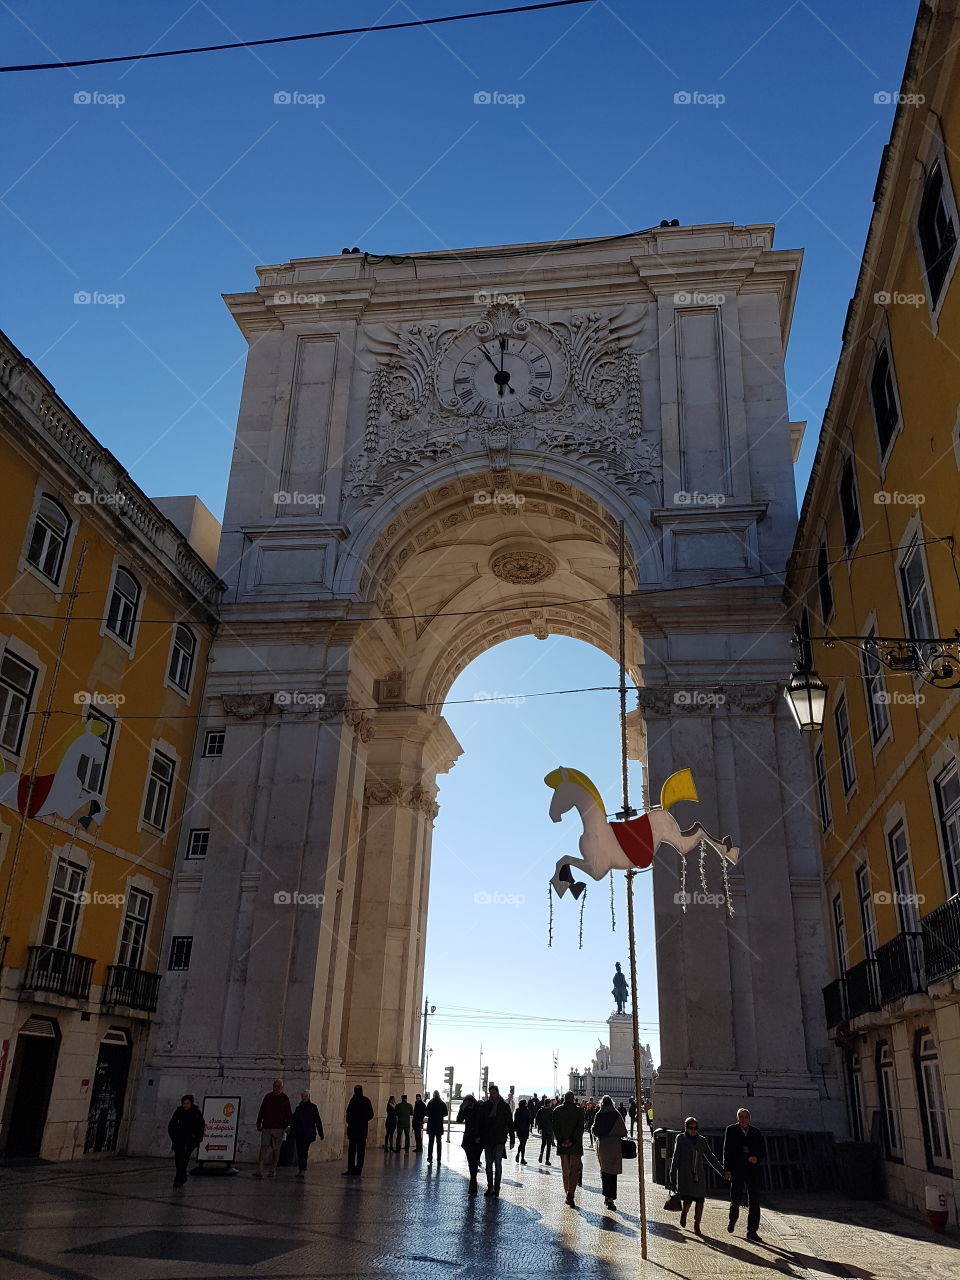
(106, 621)
(877, 556)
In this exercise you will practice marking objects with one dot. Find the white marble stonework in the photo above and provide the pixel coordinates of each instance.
(423, 437)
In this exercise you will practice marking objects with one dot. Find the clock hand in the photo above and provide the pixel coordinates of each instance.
(488, 356)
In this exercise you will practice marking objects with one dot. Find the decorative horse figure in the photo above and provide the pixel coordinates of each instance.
(624, 846)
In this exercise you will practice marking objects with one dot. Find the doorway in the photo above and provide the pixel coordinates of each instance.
(109, 1091)
(31, 1083)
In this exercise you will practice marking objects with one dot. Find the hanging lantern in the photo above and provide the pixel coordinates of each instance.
(807, 697)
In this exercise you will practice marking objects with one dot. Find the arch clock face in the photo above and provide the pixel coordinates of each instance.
(502, 376)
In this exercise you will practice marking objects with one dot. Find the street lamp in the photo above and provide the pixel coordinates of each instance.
(933, 659)
(806, 694)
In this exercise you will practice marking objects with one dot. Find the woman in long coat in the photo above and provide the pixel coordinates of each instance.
(687, 1172)
(469, 1117)
(608, 1129)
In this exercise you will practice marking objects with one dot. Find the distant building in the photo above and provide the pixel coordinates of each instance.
(876, 556)
(108, 614)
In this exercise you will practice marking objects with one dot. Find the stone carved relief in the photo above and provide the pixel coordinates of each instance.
(595, 417)
(414, 796)
(523, 567)
(748, 699)
(247, 705)
(361, 722)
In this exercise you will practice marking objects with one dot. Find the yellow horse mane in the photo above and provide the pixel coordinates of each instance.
(555, 777)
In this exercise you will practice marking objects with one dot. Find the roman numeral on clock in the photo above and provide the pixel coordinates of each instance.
(537, 391)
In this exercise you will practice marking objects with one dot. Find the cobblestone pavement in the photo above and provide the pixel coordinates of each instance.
(120, 1219)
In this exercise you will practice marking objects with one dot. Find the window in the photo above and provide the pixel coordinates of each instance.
(844, 743)
(875, 692)
(904, 888)
(180, 949)
(124, 599)
(198, 842)
(63, 913)
(17, 679)
(855, 1075)
(849, 504)
(181, 657)
(938, 235)
(947, 790)
(916, 597)
(92, 766)
(889, 1101)
(823, 792)
(824, 589)
(48, 539)
(159, 788)
(133, 939)
(932, 1109)
(868, 918)
(213, 742)
(886, 410)
(840, 932)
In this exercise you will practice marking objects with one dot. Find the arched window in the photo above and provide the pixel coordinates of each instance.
(181, 657)
(889, 1101)
(124, 599)
(48, 538)
(933, 1111)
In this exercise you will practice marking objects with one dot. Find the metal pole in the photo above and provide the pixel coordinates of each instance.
(641, 1180)
(423, 1041)
(626, 813)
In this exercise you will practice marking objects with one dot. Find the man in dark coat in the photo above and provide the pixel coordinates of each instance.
(307, 1127)
(419, 1116)
(743, 1151)
(186, 1133)
(359, 1115)
(404, 1115)
(496, 1123)
(545, 1125)
(273, 1120)
(436, 1114)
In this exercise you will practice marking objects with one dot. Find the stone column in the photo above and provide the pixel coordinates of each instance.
(263, 994)
(385, 972)
(737, 1022)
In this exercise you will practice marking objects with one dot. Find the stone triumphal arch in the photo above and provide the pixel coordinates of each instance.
(433, 454)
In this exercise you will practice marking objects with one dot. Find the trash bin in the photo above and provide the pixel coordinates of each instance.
(858, 1168)
(663, 1140)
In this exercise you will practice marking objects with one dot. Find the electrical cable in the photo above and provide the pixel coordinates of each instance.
(312, 35)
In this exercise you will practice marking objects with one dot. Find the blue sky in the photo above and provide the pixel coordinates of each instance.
(172, 196)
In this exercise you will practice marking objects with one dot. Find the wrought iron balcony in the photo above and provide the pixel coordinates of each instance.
(62, 973)
(134, 988)
(863, 994)
(900, 967)
(834, 1003)
(941, 940)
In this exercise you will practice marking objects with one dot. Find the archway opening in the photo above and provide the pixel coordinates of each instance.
(511, 990)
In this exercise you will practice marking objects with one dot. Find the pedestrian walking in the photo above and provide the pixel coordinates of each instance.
(589, 1109)
(522, 1121)
(359, 1115)
(691, 1152)
(436, 1114)
(273, 1120)
(496, 1123)
(307, 1128)
(632, 1113)
(472, 1143)
(545, 1127)
(568, 1131)
(391, 1123)
(419, 1116)
(404, 1116)
(608, 1128)
(743, 1151)
(186, 1133)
